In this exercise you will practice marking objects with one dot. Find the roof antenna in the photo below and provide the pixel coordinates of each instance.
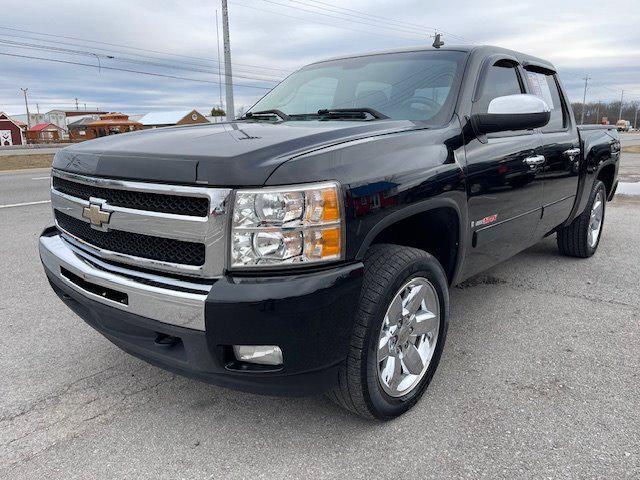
(437, 42)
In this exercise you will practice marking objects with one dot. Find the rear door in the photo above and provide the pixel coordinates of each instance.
(504, 186)
(561, 150)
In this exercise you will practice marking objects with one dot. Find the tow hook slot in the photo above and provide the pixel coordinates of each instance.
(95, 289)
(166, 341)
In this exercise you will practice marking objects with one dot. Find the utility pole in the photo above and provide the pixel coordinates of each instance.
(76, 104)
(227, 62)
(598, 113)
(38, 108)
(219, 64)
(26, 105)
(621, 100)
(85, 107)
(635, 120)
(584, 98)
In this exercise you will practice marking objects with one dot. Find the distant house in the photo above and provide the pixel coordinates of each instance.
(109, 124)
(11, 131)
(78, 128)
(62, 118)
(44, 133)
(166, 119)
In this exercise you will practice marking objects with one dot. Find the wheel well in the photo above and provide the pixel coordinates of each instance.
(606, 176)
(436, 231)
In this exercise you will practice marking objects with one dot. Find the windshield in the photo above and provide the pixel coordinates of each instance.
(417, 86)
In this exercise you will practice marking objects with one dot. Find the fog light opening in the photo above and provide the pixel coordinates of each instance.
(258, 354)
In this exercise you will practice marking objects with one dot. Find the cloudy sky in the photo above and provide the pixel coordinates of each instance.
(270, 38)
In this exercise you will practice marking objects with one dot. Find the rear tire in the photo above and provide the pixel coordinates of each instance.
(371, 384)
(582, 236)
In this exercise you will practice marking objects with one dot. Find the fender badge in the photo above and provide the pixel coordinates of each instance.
(485, 220)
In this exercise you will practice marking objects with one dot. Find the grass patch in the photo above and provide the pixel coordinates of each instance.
(18, 162)
(631, 149)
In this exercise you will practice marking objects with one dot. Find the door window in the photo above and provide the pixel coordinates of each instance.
(546, 87)
(500, 79)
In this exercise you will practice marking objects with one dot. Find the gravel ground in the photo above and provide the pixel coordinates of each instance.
(539, 379)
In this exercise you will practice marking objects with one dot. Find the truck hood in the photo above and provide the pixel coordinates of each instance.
(228, 154)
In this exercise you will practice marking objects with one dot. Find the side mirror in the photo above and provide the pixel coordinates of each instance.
(512, 112)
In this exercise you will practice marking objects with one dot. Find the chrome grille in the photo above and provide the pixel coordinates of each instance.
(144, 246)
(176, 204)
(151, 226)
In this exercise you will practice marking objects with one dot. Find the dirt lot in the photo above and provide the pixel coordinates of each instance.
(19, 162)
(632, 149)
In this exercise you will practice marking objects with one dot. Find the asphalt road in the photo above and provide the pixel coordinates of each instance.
(539, 379)
(629, 170)
(25, 186)
(630, 138)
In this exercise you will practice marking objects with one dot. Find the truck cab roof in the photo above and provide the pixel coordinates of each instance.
(482, 50)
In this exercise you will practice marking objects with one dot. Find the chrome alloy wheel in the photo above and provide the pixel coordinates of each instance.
(595, 221)
(408, 337)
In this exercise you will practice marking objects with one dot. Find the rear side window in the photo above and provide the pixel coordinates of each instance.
(500, 80)
(545, 87)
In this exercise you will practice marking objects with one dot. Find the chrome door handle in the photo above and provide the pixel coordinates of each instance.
(533, 162)
(572, 152)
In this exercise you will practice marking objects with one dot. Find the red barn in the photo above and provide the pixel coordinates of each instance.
(10, 132)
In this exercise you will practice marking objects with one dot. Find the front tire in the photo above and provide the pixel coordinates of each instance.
(582, 236)
(398, 334)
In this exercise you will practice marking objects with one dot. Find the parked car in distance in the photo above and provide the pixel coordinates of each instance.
(309, 247)
(623, 125)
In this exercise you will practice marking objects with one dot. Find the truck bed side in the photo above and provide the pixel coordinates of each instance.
(600, 145)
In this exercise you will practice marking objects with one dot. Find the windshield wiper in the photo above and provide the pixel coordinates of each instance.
(265, 113)
(351, 113)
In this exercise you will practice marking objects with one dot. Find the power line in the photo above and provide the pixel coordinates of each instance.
(352, 20)
(597, 85)
(124, 60)
(153, 74)
(314, 21)
(385, 21)
(111, 53)
(133, 48)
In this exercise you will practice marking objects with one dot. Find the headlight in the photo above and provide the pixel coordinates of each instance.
(286, 225)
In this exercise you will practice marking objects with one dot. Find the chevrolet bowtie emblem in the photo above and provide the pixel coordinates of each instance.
(96, 215)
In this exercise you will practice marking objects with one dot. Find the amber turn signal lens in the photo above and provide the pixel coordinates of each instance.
(331, 240)
(323, 244)
(330, 201)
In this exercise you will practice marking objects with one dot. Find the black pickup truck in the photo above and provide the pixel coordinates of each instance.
(309, 246)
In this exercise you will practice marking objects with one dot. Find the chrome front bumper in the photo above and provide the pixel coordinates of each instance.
(165, 299)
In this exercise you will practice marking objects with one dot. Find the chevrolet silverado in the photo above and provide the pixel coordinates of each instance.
(309, 246)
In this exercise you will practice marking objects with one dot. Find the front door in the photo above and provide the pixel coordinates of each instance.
(503, 179)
